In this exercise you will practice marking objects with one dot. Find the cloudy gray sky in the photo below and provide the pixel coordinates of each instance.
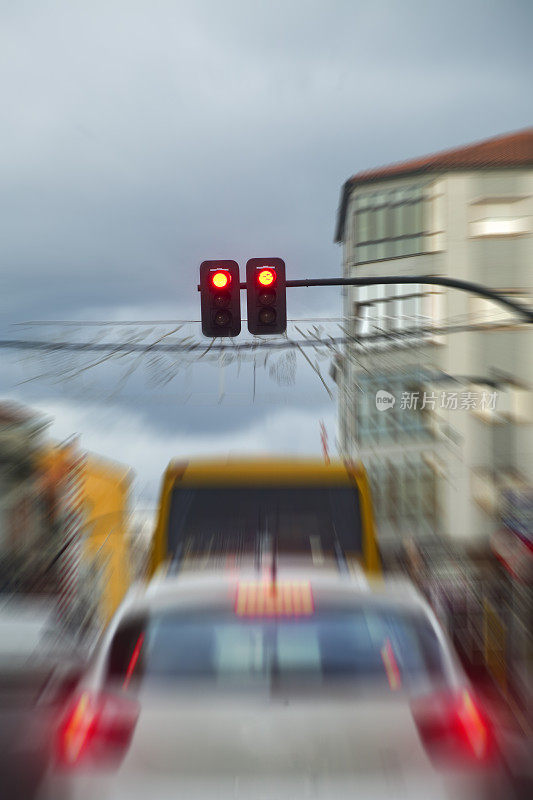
(141, 137)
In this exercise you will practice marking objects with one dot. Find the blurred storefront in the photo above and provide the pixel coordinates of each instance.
(89, 496)
(484, 599)
(513, 547)
(24, 531)
(64, 522)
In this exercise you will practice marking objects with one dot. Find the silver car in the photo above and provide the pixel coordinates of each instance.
(302, 686)
(39, 667)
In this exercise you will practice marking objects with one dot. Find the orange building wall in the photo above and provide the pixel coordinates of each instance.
(106, 497)
(106, 487)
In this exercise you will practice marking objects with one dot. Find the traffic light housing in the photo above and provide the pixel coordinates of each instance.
(220, 298)
(266, 295)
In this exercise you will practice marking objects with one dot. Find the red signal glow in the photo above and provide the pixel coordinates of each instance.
(220, 279)
(266, 277)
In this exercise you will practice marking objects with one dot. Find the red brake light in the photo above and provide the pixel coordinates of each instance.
(473, 726)
(221, 279)
(96, 728)
(77, 730)
(453, 728)
(266, 277)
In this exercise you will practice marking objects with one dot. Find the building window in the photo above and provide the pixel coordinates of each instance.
(389, 224)
(499, 218)
(404, 493)
(399, 314)
(435, 211)
(404, 421)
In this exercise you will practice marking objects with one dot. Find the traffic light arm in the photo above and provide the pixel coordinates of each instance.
(430, 280)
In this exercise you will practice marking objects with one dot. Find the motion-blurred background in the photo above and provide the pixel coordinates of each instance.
(142, 138)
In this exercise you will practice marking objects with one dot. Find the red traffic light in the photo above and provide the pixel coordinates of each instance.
(220, 289)
(220, 279)
(266, 277)
(265, 296)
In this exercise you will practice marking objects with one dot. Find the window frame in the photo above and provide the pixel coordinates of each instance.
(395, 205)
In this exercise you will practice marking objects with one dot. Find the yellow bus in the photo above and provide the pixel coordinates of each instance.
(228, 509)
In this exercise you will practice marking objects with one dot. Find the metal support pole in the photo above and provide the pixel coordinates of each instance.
(428, 280)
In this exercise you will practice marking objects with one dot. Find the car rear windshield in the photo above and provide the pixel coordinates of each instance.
(207, 520)
(388, 647)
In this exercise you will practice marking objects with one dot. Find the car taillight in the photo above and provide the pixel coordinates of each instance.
(454, 728)
(96, 729)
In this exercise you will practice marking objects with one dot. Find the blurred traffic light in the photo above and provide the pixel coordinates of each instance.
(220, 298)
(266, 295)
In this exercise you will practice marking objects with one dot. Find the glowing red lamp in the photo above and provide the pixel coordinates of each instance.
(266, 277)
(221, 279)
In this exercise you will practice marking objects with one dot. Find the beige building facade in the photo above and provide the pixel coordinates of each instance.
(435, 390)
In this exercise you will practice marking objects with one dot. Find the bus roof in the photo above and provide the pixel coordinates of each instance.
(261, 470)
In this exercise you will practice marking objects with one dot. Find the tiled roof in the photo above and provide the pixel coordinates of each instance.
(510, 150)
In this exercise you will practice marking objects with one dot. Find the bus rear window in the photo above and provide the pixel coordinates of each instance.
(303, 520)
